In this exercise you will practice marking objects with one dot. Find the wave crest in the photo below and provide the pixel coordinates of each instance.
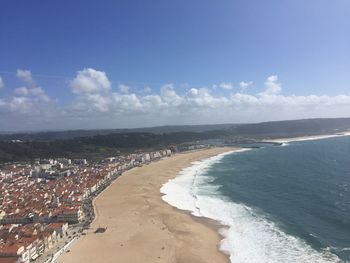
(247, 235)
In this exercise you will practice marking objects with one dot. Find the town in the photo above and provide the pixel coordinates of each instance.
(45, 204)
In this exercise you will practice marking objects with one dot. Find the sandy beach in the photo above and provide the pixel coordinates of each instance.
(308, 138)
(143, 228)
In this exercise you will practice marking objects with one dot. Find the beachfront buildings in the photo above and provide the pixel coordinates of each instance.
(39, 199)
(25, 243)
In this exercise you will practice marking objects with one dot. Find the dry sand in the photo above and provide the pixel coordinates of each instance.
(308, 138)
(141, 228)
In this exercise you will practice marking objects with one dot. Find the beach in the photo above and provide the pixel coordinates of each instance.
(141, 227)
(308, 138)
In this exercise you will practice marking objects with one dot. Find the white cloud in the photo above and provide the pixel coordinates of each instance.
(201, 98)
(272, 86)
(123, 88)
(90, 81)
(226, 86)
(36, 92)
(16, 104)
(244, 85)
(29, 107)
(169, 95)
(99, 102)
(24, 105)
(152, 103)
(146, 90)
(198, 105)
(99, 106)
(2, 84)
(22, 91)
(39, 93)
(25, 76)
(127, 104)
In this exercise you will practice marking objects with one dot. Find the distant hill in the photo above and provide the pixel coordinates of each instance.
(102, 143)
(98, 146)
(293, 127)
(70, 134)
(270, 129)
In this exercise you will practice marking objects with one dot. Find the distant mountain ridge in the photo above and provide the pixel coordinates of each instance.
(70, 134)
(293, 128)
(271, 129)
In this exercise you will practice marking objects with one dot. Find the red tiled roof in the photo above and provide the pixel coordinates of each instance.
(8, 259)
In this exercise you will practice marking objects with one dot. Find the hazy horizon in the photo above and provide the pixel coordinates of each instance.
(157, 126)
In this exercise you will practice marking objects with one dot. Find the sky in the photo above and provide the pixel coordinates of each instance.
(136, 63)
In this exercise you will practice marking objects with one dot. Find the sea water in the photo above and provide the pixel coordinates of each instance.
(276, 204)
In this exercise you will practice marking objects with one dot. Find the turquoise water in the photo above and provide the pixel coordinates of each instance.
(278, 203)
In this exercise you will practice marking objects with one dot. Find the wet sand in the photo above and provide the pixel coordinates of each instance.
(143, 228)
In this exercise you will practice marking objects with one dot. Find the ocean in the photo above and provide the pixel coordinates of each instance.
(288, 203)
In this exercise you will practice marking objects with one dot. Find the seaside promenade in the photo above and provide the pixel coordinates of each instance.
(140, 227)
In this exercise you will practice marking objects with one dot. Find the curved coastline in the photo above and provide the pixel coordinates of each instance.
(141, 227)
(178, 192)
(191, 192)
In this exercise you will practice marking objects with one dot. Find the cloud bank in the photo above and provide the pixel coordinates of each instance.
(96, 104)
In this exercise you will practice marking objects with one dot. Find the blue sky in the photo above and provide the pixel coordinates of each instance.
(190, 44)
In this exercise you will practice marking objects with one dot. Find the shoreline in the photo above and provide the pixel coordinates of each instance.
(141, 227)
(307, 138)
(177, 192)
(206, 216)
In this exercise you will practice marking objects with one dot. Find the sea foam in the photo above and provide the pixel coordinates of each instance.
(248, 236)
